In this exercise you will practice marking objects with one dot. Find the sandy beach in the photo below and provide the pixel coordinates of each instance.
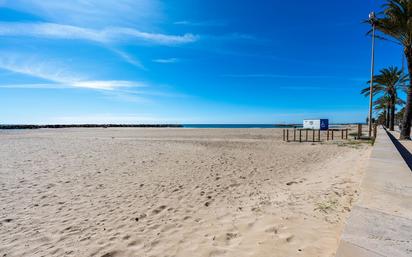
(173, 192)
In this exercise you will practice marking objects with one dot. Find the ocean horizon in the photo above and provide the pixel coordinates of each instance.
(239, 126)
(257, 125)
(192, 126)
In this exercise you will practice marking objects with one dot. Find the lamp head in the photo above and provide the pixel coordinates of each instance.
(372, 17)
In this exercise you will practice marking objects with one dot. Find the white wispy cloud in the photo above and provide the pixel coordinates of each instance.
(35, 67)
(167, 60)
(57, 73)
(151, 37)
(59, 76)
(129, 58)
(106, 35)
(210, 23)
(125, 96)
(93, 13)
(104, 21)
(105, 84)
(35, 86)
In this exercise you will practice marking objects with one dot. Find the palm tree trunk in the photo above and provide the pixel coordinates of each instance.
(385, 116)
(388, 117)
(392, 120)
(407, 117)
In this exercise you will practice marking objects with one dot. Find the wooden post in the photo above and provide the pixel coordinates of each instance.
(319, 135)
(283, 135)
(346, 134)
(287, 135)
(300, 135)
(294, 134)
(307, 135)
(313, 135)
(342, 134)
(332, 134)
(359, 131)
(327, 138)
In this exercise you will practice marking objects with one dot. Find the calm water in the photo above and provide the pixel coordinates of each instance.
(236, 126)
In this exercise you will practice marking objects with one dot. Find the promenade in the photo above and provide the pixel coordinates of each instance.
(380, 223)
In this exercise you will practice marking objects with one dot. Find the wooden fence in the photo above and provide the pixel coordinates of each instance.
(313, 135)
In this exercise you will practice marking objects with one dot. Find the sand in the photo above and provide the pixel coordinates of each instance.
(173, 192)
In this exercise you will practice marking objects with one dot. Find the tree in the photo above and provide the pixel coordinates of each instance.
(382, 106)
(399, 116)
(380, 119)
(395, 21)
(387, 84)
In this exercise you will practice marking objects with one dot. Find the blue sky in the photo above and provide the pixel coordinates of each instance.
(185, 61)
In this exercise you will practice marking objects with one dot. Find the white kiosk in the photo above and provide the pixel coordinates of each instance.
(322, 124)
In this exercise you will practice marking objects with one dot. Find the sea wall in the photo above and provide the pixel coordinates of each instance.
(91, 126)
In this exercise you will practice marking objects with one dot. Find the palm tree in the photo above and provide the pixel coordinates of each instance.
(382, 106)
(387, 84)
(399, 116)
(395, 21)
(381, 119)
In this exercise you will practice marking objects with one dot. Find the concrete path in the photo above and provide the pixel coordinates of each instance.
(380, 223)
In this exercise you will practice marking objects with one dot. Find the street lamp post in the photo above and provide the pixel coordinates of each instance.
(372, 19)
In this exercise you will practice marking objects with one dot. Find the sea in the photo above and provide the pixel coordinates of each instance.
(239, 126)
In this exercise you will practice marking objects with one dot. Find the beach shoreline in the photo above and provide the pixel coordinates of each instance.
(173, 192)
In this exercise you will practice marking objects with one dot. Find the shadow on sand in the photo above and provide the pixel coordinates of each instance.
(407, 156)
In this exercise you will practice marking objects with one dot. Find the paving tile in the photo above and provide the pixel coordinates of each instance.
(383, 234)
(380, 223)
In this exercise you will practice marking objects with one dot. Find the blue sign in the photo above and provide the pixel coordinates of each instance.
(324, 124)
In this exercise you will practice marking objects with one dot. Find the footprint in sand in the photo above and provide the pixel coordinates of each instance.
(291, 183)
(159, 209)
(112, 254)
(168, 227)
(216, 253)
(272, 230)
(226, 238)
(135, 244)
(230, 236)
(287, 237)
(8, 220)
